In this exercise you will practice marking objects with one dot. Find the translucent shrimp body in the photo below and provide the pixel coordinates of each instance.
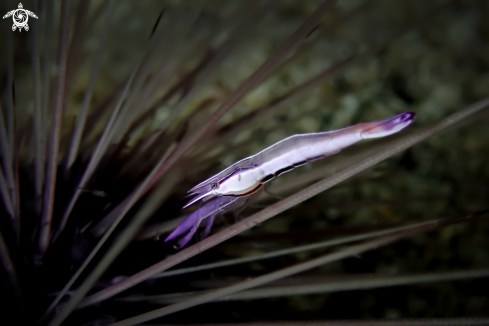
(247, 176)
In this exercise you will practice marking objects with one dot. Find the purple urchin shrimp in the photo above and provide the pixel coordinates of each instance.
(247, 177)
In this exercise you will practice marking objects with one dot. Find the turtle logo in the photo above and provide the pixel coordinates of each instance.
(20, 17)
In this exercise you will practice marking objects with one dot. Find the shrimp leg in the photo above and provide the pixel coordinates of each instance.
(189, 226)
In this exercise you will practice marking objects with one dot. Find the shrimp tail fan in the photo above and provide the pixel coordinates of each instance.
(189, 226)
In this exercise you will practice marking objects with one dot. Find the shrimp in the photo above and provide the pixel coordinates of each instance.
(247, 177)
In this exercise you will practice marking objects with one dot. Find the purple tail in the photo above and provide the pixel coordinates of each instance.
(387, 126)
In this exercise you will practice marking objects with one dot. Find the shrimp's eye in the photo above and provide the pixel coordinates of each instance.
(214, 186)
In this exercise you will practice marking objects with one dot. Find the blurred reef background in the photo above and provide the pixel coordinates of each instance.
(98, 93)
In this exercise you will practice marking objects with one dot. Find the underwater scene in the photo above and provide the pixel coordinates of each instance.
(246, 162)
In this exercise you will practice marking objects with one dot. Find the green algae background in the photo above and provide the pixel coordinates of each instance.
(429, 57)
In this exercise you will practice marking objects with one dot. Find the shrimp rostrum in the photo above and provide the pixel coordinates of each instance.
(246, 177)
